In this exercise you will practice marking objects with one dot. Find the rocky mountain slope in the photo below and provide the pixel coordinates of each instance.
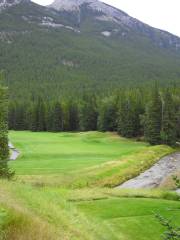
(83, 44)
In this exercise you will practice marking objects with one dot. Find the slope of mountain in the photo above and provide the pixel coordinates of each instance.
(73, 45)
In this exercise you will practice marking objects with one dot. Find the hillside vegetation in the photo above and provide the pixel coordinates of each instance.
(59, 62)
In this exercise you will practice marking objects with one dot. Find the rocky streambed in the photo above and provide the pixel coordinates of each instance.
(154, 176)
(14, 153)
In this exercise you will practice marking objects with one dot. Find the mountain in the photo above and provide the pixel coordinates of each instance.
(73, 45)
(8, 3)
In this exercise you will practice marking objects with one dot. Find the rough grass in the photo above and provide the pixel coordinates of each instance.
(56, 213)
(20, 225)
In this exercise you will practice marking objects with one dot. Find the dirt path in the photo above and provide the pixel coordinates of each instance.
(156, 174)
(14, 153)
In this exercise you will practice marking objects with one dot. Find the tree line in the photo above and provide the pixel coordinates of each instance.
(154, 114)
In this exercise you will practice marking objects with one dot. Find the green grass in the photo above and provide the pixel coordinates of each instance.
(52, 212)
(81, 159)
(131, 218)
(50, 153)
(62, 189)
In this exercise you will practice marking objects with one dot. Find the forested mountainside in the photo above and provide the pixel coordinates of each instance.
(71, 46)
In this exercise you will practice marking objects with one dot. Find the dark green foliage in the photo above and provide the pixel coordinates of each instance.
(130, 109)
(172, 232)
(177, 111)
(133, 113)
(39, 116)
(125, 119)
(88, 113)
(168, 131)
(18, 118)
(60, 62)
(73, 116)
(57, 118)
(153, 119)
(4, 150)
(107, 118)
(177, 181)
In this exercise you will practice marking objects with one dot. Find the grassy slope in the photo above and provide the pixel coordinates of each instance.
(51, 212)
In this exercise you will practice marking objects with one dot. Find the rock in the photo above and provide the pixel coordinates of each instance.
(156, 174)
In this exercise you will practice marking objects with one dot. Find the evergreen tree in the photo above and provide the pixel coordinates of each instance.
(73, 116)
(177, 111)
(107, 117)
(49, 117)
(153, 118)
(4, 150)
(168, 132)
(125, 119)
(129, 115)
(39, 116)
(12, 116)
(20, 117)
(88, 113)
(57, 118)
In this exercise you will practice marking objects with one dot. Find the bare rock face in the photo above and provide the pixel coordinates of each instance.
(127, 24)
(68, 5)
(95, 5)
(8, 3)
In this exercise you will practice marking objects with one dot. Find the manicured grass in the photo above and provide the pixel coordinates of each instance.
(81, 159)
(52, 153)
(131, 218)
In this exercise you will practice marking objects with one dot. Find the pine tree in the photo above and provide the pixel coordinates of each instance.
(39, 116)
(49, 117)
(153, 118)
(88, 114)
(57, 118)
(4, 150)
(125, 119)
(168, 132)
(107, 117)
(12, 116)
(177, 116)
(73, 116)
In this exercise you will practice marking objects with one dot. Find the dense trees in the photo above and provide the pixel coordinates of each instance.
(153, 113)
(130, 109)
